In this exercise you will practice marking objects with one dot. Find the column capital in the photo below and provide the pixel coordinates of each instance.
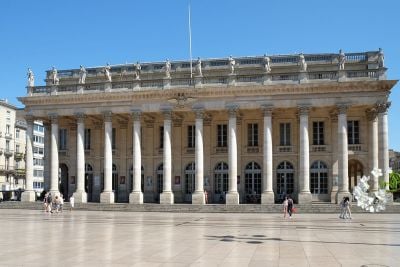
(136, 114)
(53, 117)
(303, 110)
(232, 110)
(267, 110)
(80, 117)
(167, 114)
(107, 116)
(372, 114)
(29, 118)
(199, 113)
(342, 108)
(383, 107)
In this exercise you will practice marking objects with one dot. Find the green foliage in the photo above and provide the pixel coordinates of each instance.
(394, 181)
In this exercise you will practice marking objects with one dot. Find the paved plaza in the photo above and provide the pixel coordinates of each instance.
(91, 238)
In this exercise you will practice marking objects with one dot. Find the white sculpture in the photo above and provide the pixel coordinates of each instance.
(107, 72)
(381, 58)
(198, 67)
(138, 69)
(31, 78)
(168, 69)
(342, 59)
(54, 76)
(82, 75)
(302, 62)
(267, 64)
(232, 64)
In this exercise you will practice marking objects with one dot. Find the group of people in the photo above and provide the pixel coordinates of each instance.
(53, 203)
(288, 207)
(345, 212)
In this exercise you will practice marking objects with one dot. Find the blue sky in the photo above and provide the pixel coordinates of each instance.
(40, 34)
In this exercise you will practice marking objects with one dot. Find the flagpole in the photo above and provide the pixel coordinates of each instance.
(190, 46)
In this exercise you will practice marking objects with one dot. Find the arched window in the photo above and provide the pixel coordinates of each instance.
(160, 177)
(221, 177)
(284, 179)
(252, 178)
(319, 178)
(131, 178)
(88, 168)
(190, 178)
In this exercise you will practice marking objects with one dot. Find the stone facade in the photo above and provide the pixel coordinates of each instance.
(245, 133)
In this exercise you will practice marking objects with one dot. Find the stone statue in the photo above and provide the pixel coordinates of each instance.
(267, 64)
(31, 78)
(107, 72)
(232, 64)
(168, 69)
(138, 69)
(82, 75)
(381, 59)
(198, 67)
(302, 62)
(342, 59)
(54, 76)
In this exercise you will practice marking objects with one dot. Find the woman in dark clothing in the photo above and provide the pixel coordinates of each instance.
(290, 206)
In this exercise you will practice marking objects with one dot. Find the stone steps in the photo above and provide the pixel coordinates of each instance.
(188, 208)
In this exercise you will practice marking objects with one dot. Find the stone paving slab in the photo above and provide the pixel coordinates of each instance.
(102, 238)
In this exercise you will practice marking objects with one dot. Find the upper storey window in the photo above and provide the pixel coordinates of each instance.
(353, 132)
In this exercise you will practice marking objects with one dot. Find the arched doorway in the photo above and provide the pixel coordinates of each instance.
(318, 179)
(160, 182)
(252, 182)
(190, 173)
(356, 171)
(221, 181)
(89, 182)
(284, 179)
(115, 182)
(63, 183)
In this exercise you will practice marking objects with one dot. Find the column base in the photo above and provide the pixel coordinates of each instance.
(304, 197)
(334, 193)
(342, 194)
(80, 197)
(267, 198)
(232, 198)
(198, 198)
(167, 198)
(28, 196)
(107, 197)
(136, 198)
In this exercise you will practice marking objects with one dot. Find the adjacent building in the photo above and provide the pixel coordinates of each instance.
(394, 159)
(245, 129)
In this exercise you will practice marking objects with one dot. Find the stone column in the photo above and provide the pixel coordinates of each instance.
(54, 156)
(198, 194)
(373, 147)
(334, 174)
(267, 196)
(232, 197)
(304, 194)
(80, 195)
(136, 196)
(29, 194)
(343, 155)
(384, 141)
(47, 155)
(107, 196)
(167, 196)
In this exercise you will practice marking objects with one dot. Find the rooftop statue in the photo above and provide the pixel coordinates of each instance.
(168, 69)
(198, 67)
(107, 72)
(267, 64)
(138, 69)
(54, 76)
(381, 59)
(232, 64)
(342, 59)
(31, 78)
(82, 75)
(302, 62)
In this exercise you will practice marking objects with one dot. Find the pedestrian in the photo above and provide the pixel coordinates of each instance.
(342, 210)
(347, 212)
(71, 202)
(49, 201)
(61, 202)
(206, 196)
(290, 206)
(285, 207)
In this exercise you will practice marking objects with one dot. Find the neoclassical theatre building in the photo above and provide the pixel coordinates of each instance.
(237, 129)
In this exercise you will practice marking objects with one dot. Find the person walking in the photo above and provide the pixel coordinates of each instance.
(285, 207)
(347, 212)
(206, 196)
(290, 206)
(342, 211)
(71, 202)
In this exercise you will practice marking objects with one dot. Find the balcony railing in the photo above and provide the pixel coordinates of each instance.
(8, 135)
(253, 149)
(18, 155)
(8, 152)
(284, 149)
(354, 148)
